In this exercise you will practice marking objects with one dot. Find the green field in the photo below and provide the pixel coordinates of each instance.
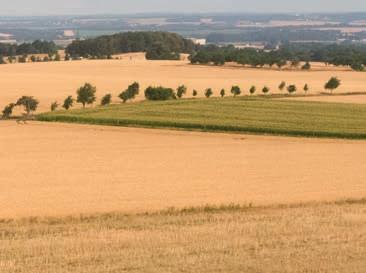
(241, 114)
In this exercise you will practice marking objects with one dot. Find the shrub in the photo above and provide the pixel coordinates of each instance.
(106, 100)
(86, 94)
(54, 106)
(208, 92)
(195, 93)
(130, 93)
(306, 66)
(235, 90)
(222, 93)
(68, 102)
(265, 90)
(306, 88)
(282, 86)
(332, 84)
(8, 110)
(181, 91)
(159, 93)
(291, 88)
(252, 90)
(30, 104)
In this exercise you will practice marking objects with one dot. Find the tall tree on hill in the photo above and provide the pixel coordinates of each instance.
(86, 94)
(332, 84)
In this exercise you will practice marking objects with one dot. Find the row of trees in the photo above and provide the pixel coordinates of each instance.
(86, 95)
(346, 55)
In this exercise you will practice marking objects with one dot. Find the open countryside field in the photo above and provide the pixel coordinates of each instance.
(53, 81)
(319, 238)
(56, 169)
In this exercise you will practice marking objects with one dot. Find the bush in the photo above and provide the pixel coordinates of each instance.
(222, 93)
(282, 86)
(68, 102)
(159, 93)
(130, 93)
(306, 88)
(8, 110)
(265, 90)
(235, 90)
(306, 66)
(208, 92)
(54, 106)
(332, 84)
(291, 88)
(195, 93)
(181, 91)
(106, 100)
(252, 90)
(86, 94)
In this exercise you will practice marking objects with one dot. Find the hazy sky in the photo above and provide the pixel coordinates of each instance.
(43, 7)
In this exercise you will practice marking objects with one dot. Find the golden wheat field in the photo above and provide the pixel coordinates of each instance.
(60, 169)
(318, 238)
(54, 81)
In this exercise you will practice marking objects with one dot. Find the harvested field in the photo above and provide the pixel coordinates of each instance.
(333, 98)
(323, 238)
(57, 169)
(56, 80)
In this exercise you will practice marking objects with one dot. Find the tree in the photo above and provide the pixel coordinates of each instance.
(106, 100)
(265, 90)
(130, 93)
(306, 66)
(291, 88)
(222, 93)
(208, 92)
(332, 84)
(281, 63)
(159, 93)
(57, 57)
(30, 104)
(181, 91)
(235, 90)
(252, 90)
(54, 106)
(8, 110)
(194, 93)
(282, 86)
(68, 102)
(86, 94)
(306, 88)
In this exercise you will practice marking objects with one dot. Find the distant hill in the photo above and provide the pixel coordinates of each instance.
(158, 45)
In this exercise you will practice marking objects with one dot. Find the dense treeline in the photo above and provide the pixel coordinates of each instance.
(348, 55)
(37, 47)
(160, 45)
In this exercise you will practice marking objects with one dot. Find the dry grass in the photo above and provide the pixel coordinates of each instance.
(56, 80)
(318, 238)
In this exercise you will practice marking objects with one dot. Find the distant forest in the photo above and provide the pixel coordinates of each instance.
(37, 47)
(158, 45)
(353, 55)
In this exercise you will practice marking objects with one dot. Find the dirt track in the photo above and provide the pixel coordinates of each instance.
(56, 169)
(56, 80)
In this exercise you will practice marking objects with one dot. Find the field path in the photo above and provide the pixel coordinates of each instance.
(57, 169)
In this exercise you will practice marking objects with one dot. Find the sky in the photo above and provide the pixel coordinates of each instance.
(52, 7)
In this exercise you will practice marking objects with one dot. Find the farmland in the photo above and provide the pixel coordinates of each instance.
(54, 81)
